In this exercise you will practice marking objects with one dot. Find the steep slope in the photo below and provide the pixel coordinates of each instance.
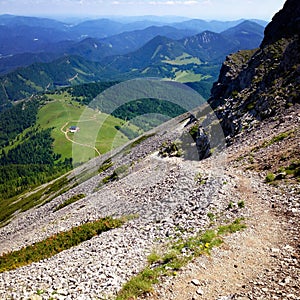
(175, 198)
(260, 84)
(172, 199)
(209, 46)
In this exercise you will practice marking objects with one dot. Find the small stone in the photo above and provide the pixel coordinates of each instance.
(199, 292)
(35, 297)
(62, 292)
(275, 250)
(195, 282)
(287, 280)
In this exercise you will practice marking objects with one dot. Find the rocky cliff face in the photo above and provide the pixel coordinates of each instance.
(262, 83)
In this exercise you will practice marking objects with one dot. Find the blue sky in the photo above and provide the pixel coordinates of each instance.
(203, 9)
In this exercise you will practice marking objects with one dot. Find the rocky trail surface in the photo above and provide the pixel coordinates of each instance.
(261, 262)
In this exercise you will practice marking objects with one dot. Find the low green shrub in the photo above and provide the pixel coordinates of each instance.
(106, 165)
(278, 138)
(116, 174)
(270, 177)
(69, 201)
(231, 228)
(241, 204)
(172, 149)
(57, 243)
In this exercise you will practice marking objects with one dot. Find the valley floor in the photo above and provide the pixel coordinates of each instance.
(261, 262)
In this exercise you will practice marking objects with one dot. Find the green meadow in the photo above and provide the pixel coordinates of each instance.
(184, 59)
(96, 129)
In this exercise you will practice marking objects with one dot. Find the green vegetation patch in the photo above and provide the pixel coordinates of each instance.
(291, 171)
(106, 165)
(184, 59)
(189, 76)
(44, 194)
(177, 255)
(270, 177)
(71, 200)
(194, 131)
(15, 120)
(278, 138)
(237, 225)
(116, 174)
(96, 129)
(57, 243)
(200, 179)
(172, 149)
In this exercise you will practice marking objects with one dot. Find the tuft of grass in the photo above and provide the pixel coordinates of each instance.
(278, 138)
(237, 225)
(172, 149)
(57, 243)
(241, 204)
(293, 169)
(70, 201)
(153, 258)
(194, 131)
(116, 174)
(230, 205)
(106, 165)
(200, 179)
(139, 285)
(270, 177)
(178, 255)
(211, 216)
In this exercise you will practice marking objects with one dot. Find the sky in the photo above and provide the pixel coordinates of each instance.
(201, 9)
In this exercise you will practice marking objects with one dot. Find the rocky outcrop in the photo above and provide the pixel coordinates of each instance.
(285, 24)
(202, 143)
(258, 84)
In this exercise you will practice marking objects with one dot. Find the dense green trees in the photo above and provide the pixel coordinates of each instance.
(30, 163)
(29, 160)
(17, 119)
(85, 93)
(141, 107)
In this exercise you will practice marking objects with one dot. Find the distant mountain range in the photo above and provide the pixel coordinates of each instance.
(48, 39)
(52, 54)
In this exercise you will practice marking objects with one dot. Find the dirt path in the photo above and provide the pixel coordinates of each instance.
(234, 268)
(263, 261)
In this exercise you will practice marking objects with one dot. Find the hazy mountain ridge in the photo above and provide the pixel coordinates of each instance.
(30, 34)
(190, 59)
